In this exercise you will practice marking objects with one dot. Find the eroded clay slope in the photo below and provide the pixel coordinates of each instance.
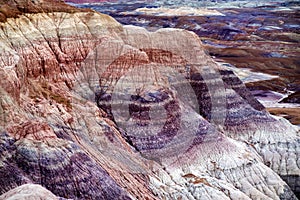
(94, 110)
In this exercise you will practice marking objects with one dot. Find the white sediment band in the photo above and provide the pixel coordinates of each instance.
(181, 11)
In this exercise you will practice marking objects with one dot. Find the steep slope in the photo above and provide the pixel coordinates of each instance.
(94, 110)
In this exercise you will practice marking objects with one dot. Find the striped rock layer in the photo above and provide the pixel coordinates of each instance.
(91, 109)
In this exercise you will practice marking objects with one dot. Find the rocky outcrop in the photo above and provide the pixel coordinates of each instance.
(260, 40)
(91, 109)
(58, 165)
(15, 8)
(29, 192)
(293, 98)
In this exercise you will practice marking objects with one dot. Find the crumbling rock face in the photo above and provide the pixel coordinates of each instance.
(94, 110)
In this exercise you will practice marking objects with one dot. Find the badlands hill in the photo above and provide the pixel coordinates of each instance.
(91, 109)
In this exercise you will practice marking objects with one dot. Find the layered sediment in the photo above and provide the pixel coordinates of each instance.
(260, 43)
(91, 109)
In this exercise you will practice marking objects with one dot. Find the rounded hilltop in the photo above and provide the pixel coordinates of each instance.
(14, 8)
